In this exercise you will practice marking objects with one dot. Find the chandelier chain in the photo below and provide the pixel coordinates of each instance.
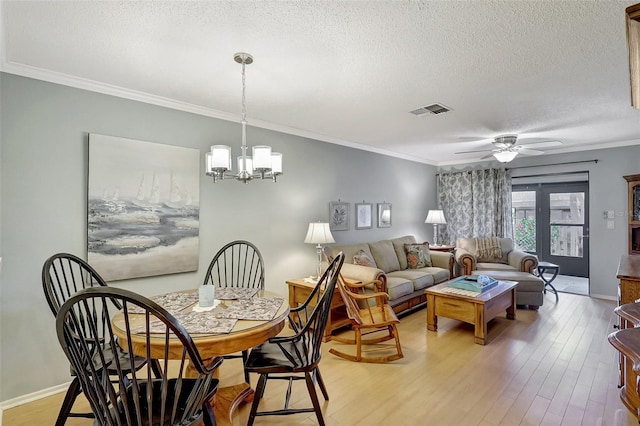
(244, 99)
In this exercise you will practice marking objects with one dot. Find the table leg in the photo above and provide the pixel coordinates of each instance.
(511, 310)
(547, 282)
(227, 398)
(480, 325)
(432, 319)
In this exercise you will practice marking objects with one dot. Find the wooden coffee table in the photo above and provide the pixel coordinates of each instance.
(477, 310)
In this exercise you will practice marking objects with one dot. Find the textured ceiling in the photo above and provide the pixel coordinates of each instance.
(349, 72)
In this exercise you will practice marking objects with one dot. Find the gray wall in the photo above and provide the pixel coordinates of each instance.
(607, 191)
(43, 176)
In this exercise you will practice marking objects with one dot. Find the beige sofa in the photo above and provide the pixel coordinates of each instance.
(404, 286)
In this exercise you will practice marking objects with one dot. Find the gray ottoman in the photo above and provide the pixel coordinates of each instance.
(529, 290)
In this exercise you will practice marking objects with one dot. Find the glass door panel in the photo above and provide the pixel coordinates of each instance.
(564, 208)
(523, 204)
(566, 220)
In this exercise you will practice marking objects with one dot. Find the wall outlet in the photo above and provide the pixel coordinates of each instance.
(610, 224)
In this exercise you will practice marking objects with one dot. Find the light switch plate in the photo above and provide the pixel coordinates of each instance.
(610, 224)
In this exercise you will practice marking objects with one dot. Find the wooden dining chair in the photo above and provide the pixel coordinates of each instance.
(63, 275)
(118, 393)
(237, 264)
(370, 315)
(297, 357)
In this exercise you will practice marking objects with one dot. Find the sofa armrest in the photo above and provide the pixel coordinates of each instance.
(465, 260)
(522, 261)
(444, 260)
(364, 274)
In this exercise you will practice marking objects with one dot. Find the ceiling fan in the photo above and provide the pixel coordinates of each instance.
(506, 148)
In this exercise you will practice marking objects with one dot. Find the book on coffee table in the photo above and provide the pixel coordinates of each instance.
(477, 283)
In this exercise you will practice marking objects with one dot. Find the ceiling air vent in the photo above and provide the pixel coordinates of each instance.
(434, 109)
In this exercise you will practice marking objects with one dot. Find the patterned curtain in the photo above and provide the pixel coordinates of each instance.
(476, 203)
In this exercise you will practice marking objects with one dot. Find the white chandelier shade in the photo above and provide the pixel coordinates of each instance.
(262, 164)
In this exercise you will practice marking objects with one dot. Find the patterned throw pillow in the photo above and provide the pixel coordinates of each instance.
(363, 259)
(418, 256)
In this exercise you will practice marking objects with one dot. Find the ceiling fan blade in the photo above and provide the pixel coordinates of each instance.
(484, 157)
(530, 151)
(545, 144)
(473, 152)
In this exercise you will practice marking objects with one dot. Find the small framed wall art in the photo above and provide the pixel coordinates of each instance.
(364, 215)
(338, 216)
(384, 215)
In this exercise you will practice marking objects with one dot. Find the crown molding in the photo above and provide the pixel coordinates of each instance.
(112, 90)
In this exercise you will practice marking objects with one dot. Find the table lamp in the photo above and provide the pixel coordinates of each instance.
(436, 217)
(319, 233)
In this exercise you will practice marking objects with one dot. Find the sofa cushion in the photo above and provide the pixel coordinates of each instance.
(363, 259)
(384, 255)
(494, 266)
(398, 287)
(398, 246)
(439, 275)
(418, 256)
(419, 277)
(350, 251)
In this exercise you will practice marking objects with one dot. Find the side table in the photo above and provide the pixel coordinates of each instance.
(552, 268)
(299, 291)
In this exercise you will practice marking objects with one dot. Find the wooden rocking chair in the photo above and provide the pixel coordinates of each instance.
(369, 313)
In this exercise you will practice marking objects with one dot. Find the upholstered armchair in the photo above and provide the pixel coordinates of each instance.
(491, 254)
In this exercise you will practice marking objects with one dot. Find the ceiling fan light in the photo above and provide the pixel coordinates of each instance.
(505, 156)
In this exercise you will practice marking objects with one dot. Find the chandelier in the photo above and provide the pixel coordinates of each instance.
(262, 164)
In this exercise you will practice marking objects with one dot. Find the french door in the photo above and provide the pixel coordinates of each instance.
(552, 221)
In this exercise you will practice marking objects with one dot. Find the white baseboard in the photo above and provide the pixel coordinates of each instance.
(603, 296)
(30, 397)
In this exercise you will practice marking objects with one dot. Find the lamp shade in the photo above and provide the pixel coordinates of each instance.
(319, 233)
(436, 217)
(276, 162)
(505, 156)
(249, 163)
(262, 157)
(220, 157)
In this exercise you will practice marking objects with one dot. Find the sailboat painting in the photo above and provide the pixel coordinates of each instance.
(143, 208)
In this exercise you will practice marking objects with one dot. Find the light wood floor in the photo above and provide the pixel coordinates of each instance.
(551, 367)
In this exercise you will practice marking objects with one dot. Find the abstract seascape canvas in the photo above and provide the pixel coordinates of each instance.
(143, 208)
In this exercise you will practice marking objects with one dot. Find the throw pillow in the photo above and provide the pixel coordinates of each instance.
(418, 256)
(488, 249)
(363, 259)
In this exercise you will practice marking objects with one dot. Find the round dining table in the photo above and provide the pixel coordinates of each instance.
(245, 334)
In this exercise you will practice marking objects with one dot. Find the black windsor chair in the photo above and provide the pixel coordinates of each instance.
(118, 393)
(63, 275)
(297, 357)
(237, 264)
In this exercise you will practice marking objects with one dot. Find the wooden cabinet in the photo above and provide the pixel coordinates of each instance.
(633, 42)
(633, 213)
(628, 292)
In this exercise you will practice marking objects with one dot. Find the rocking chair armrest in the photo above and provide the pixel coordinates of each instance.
(379, 285)
(376, 295)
